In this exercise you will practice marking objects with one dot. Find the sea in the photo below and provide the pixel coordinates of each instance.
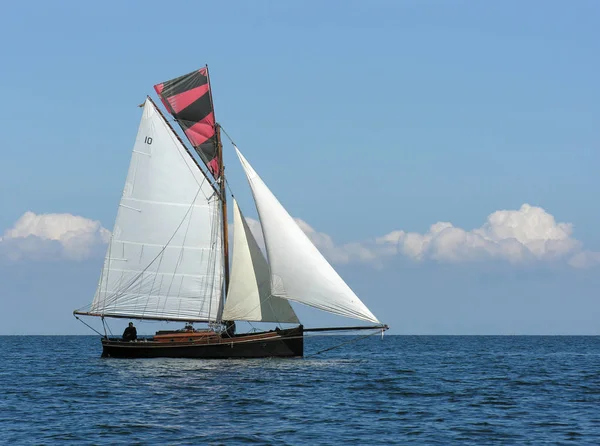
(479, 390)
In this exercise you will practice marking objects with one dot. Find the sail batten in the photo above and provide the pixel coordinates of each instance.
(158, 264)
(299, 272)
(249, 296)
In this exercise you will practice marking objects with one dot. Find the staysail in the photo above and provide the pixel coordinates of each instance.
(298, 270)
(164, 260)
(188, 99)
(249, 296)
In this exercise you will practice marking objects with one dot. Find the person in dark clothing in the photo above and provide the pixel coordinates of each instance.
(130, 333)
(229, 331)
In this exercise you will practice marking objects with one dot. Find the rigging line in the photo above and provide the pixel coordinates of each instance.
(273, 312)
(106, 265)
(229, 187)
(183, 156)
(152, 286)
(89, 326)
(233, 143)
(108, 327)
(187, 229)
(144, 279)
(226, 134)
(343, 343)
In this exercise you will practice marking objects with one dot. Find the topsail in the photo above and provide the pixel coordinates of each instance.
(188, 98)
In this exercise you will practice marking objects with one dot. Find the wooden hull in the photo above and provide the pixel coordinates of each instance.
(279, 343)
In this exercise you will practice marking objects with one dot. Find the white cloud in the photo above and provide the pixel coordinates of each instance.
(517, 236)
(336, 253)
(52, 236)
(528, 234)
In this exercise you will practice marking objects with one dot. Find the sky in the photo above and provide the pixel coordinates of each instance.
(442, 155)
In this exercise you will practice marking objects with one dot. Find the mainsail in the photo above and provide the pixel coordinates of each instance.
(249, 296)
(188, 98)
(298, 270)
(165, 259)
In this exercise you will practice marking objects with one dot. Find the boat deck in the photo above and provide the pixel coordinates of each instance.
(199, 337)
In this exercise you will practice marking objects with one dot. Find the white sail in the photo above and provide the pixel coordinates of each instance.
(298, 270)
(249, 295)
(164, 260)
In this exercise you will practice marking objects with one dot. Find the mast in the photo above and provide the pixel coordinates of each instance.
(222, 186)
(223, 192)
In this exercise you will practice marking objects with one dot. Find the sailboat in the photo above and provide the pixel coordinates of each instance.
(168, 255)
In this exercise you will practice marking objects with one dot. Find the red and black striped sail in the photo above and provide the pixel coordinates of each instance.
(188, 99)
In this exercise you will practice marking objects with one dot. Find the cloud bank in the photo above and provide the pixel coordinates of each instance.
(520, 236)
(52, 237)
(527, 235)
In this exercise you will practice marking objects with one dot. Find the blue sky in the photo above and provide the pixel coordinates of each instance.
(365, 119)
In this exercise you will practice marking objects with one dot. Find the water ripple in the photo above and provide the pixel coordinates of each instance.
(417, 389)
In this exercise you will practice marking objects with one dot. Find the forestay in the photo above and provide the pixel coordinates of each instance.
(249, 296)
(164, 260)
(298, 270)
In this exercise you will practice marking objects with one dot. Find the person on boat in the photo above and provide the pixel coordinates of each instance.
(229, 331)
(130, 333)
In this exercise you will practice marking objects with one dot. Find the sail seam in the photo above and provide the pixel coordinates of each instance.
(163, 274)
(129, 207)
(169, 203)
(193, 248)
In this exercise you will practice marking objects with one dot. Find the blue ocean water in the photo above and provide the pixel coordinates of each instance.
(399, 390)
